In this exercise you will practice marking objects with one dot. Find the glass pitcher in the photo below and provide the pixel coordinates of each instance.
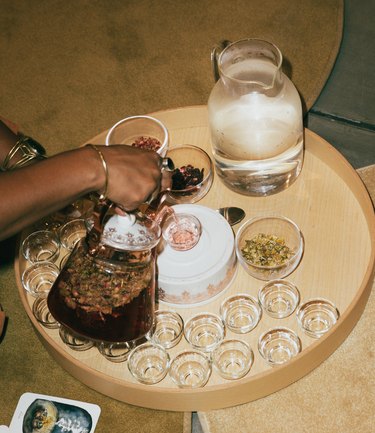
(255, 119)
(106, 290)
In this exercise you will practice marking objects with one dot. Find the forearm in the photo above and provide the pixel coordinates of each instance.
(127, 175)
(29, 193)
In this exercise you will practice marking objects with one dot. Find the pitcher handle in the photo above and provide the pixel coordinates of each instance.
(215, 53)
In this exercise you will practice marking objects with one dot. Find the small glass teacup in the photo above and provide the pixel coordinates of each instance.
(233, 359)
(190, 369)
(241, 313)
(279, 345)
(204, 331)
(167, 329)
(41, 246)
(39, 278)
(148, 363)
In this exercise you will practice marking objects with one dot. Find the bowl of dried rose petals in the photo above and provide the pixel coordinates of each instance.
(269, 247)
(192, 176)
(144, 132)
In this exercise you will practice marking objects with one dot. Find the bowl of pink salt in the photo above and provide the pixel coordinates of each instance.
(182, 231)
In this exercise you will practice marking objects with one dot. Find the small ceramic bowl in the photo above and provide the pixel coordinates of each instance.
(193, 174)
(269, 247)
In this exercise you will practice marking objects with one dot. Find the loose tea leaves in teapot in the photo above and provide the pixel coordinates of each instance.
(102, 300)
(106, 290)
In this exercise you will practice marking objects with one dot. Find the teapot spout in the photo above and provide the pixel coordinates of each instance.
(162, 213)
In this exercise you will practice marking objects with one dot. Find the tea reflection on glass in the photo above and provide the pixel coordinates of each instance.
(71, 232)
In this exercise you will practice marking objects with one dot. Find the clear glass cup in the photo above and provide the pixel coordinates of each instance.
(204, 331)
(38, 278)
(233, 359)
(74, 341)
(148, 363)
(279, 298)
(241, 313)
(193, 174)
(168, 328)
(140, 131)
(269, 247)
(279, 345)
(190, 369)
(71, 232)
(42, 314)
(317, 316)
(182, 231)
(41, 246)
(115, 352)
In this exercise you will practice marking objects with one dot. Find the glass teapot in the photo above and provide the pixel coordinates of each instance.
(255, 119)
(106, 290)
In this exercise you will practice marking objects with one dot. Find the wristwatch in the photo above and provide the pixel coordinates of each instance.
(23, 152)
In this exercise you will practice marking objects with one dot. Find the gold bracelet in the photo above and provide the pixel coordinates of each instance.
(103, 195)
(27, 149)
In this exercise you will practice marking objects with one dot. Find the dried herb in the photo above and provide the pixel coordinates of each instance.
(186, 176)
(147, 143)
(89, 286)
(266, 250)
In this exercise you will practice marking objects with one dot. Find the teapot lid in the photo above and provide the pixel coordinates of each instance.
(131, 232)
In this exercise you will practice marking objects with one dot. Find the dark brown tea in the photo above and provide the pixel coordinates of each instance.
(108, 296)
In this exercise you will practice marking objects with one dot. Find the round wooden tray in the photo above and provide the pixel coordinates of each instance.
(331, 206)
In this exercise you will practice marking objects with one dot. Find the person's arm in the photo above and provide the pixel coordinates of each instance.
(8, 137)
(31, 192)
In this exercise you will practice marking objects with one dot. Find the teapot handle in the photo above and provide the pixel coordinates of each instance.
(100, 210)
(215, 53)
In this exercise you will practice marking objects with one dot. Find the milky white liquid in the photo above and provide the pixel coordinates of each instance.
(257, 140)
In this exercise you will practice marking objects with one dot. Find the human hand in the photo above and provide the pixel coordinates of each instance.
(133, 175)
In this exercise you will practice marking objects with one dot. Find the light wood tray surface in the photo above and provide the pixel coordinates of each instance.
(331, 206)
